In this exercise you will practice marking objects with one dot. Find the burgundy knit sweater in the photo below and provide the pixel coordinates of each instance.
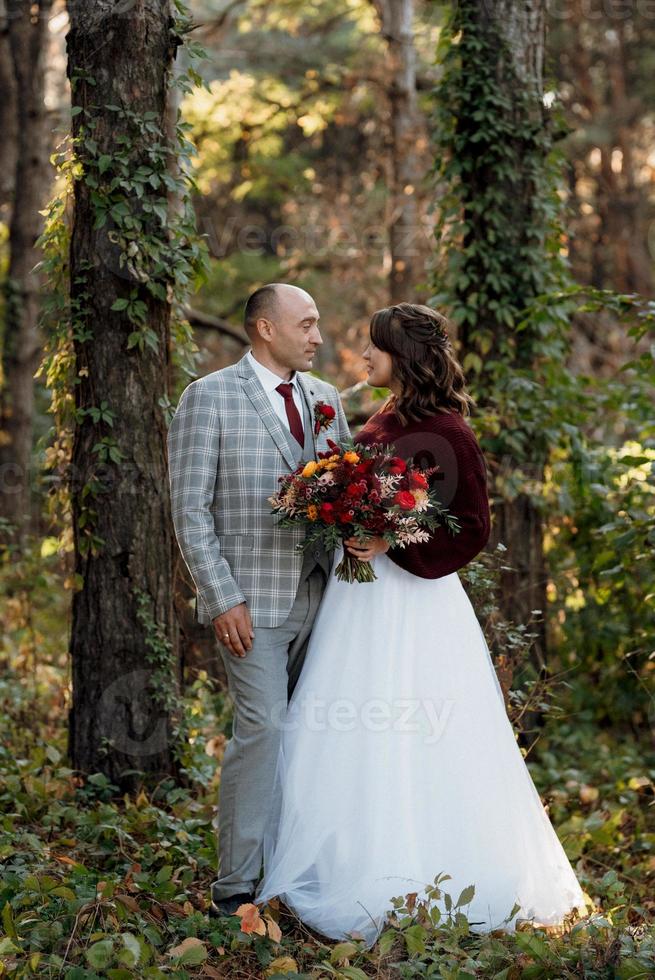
(444, 439)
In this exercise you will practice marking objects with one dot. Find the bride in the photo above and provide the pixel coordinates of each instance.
(397, 759)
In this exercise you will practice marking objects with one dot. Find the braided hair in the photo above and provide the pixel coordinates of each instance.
(423, 362)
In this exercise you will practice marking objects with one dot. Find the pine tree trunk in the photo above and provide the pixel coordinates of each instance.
(27, 25)
(8, 118)
(125, 672)
(520, 24)
(396, 18)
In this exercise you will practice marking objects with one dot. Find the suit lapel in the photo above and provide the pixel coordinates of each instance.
(308, 394)
(264, 409)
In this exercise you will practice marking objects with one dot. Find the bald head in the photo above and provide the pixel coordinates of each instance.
(281, 321)
(267, 302)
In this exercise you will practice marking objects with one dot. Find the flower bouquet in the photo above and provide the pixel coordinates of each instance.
(360, 491)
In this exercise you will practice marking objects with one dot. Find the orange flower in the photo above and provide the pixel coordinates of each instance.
(312, 512)
(351, 457)
(310, 468)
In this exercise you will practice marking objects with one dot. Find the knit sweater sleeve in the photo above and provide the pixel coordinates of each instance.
(460, 484)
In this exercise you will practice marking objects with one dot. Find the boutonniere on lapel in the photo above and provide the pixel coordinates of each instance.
(323, 416)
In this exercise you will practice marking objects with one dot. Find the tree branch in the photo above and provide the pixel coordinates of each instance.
(217, 323)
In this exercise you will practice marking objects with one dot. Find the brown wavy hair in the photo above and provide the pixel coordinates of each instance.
(423, 362)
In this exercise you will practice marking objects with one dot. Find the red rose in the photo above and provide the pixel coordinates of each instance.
(397, 466)
(323, 416)
(418, 482)
(405, 500)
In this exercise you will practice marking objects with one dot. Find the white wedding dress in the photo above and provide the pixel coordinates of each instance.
(398, 762)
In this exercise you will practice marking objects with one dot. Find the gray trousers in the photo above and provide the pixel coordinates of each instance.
(260, 685)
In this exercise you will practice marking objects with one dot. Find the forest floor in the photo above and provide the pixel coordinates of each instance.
(98, 884)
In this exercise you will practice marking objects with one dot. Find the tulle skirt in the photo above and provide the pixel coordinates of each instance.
(398, 762)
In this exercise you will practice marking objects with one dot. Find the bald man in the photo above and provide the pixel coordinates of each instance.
(234, 434)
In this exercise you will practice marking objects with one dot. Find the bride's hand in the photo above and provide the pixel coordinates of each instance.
(368, 549)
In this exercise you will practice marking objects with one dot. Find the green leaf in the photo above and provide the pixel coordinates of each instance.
(8, 921)
(386, 941)
(7, 946)
(466, 896)
(100, 954)
(104, 163)
(151, 339)
(120, 304)
(414, 938)
(342, 951)
(131, 954)
(63, 892)
(631, 969)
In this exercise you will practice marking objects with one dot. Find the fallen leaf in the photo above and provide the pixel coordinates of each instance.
(588, 794)
(190, 952)
(128, 902)
(67, 860)
(639, 782)
(141, 800)
(251, 921)
(212, 972)
(216, 746)
(283, 964)
(274, 930)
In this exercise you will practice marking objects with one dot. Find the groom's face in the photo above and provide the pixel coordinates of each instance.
(295, 336)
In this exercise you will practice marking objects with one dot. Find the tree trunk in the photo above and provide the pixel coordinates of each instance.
(396, 18)
(8, 118)
(124, 639)
(609, 247)
(518, 59)
(27, 25)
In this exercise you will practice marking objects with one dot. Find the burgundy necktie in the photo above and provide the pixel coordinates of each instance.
(295, 422)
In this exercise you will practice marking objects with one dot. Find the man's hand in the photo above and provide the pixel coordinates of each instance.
(368, 549)
(234, 630)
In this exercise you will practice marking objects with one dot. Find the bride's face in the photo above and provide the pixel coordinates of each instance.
(379, 365)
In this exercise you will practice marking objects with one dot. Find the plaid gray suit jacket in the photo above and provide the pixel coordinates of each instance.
(226, 450)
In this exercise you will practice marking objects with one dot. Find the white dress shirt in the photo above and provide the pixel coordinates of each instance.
(270, 381)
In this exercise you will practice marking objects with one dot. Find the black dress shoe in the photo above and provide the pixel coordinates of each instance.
(228, 906)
